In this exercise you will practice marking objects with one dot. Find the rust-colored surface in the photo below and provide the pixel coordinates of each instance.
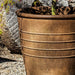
(48, 44)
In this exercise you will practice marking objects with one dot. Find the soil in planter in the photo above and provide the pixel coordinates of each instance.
(43, 10)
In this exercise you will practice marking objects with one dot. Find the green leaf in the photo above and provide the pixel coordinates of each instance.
(5, 2)
(0, 19)
(35, 3)
(2, 5)
(1, 31)
(1, 25)
(53, 10)
(53, 7)
(7, 9)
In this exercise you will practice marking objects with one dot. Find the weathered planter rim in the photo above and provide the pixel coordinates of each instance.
(36, 16)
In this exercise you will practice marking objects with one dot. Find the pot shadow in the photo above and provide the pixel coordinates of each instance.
(6, 60)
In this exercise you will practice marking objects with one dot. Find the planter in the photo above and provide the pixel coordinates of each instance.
(48, 43)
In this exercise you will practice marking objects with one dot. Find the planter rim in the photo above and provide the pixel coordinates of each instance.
(36, 16)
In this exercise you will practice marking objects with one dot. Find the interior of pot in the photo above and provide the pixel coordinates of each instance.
(20, 13)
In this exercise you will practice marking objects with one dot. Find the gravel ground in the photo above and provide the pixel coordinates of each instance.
(11, 64)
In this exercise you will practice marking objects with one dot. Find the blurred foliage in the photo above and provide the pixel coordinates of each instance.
(4, 9)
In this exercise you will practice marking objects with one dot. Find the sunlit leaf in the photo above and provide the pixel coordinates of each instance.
(53, 7)
(53, 10)
(2, 5)
(5, 2)
(1, 31)
(1, 24)
(0, 20)
(7, 9)
(1, 15)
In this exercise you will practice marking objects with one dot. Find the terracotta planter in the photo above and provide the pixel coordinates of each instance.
(48, 43)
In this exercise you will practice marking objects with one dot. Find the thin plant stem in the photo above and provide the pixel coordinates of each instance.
(53, 7)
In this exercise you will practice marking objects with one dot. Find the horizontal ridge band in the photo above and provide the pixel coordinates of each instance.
(66, 49)
(70, 41)
(50, 57)
(71, 33)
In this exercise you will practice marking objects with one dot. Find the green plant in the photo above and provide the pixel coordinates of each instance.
(37, 2)
(54, 7)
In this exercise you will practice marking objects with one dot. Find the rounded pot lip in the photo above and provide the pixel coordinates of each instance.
(36, 16)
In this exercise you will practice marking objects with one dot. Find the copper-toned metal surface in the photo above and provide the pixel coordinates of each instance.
(48, 43)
